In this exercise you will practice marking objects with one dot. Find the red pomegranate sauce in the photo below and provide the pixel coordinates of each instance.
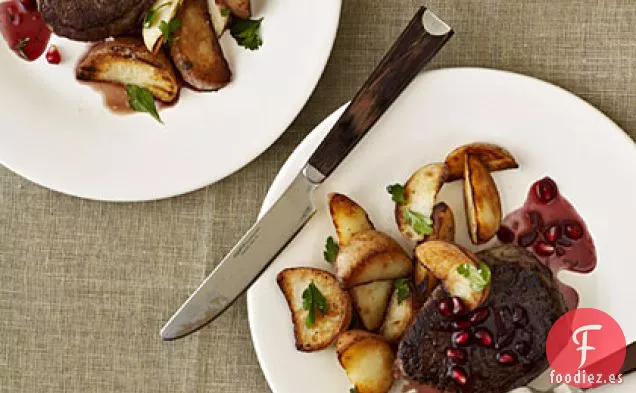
(549, 226)
(24, 29)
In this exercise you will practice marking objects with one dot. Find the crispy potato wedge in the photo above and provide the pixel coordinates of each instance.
(126, 61)
(442, 259)
(368, 361)
(348, 217)
(219, 20)
(370, 301)
(420, 192)
(371, 256)
(494, 157)
(240, 8)
(195, 49)
(327, 327)
(443, 229)
(399, 316)
(481, 198)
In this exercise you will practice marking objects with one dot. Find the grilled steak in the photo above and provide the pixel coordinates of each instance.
(495, 348)
(93, 20)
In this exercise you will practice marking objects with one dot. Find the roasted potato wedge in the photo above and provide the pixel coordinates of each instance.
(494, 157)
(371, 256)
(240, 8)
(125, 61)
(348, 218)
(368, 361)
(420, 192)
(220, 20)
(293, 282)
(481, 198)
(195, 48)
(443, 259)
(443, 229)
(443, 223)
(370, 301)
(399, 316)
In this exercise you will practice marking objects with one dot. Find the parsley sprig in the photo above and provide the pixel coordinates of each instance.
(402, 289)
(397, 193)
(149, 20)
(141, 99)
(479, 277)
(421, 224)
(168, 29)
(21, 46)
(246, 32)
(331, 250)
(313, 299)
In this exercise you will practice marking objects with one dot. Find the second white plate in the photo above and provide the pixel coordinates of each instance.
(550, 131)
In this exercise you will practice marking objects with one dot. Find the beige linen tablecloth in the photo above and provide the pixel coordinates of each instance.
(86, 286)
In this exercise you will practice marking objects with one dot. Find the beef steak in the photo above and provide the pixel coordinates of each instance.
(93, 20)
(523, 304)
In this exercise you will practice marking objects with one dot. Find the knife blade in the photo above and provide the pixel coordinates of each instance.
(425, 35)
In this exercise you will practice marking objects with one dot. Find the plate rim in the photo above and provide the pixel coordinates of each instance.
(277, 184)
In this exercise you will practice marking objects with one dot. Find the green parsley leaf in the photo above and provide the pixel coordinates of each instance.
(313, 299)
(331, 250)
(246, 32)
(168, 29)
(479, 277)
(21, 45)
(397, 192)
(353, 390)
(421, 224)
(149, 20)
(402, 289)
(141, 99)
(226, 12)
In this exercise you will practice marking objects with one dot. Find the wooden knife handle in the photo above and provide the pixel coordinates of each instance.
(425, 35)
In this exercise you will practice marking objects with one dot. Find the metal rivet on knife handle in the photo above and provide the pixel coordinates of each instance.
(425, 35)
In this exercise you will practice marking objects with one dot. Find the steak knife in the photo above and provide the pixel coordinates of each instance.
(424, 36)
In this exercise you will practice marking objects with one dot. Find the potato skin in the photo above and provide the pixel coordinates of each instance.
(196, 51)
(240, 8)
(127, 61)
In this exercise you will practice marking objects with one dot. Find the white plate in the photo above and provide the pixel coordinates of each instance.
(550, 131)
(58, 133)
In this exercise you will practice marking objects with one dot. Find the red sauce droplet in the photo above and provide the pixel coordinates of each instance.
(53, 55)
(24, 29)
(564, 243)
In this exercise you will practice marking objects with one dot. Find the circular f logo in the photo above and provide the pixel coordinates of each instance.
(585, 348)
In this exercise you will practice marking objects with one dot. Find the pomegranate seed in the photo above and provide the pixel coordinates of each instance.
(458, 306)
(507, 358)
(479, 315)
(505, 235)
(522, 348)
(544, 249)
(461, 338)
(461, 324)
(446, 307)
(536, 219)
(458, 375)
(546, 190)
(519, 316)
(53, 55)
(552, 234)
(573, 230)
(527, 239)
(456, 355)
(484, 337)
(560, 251)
